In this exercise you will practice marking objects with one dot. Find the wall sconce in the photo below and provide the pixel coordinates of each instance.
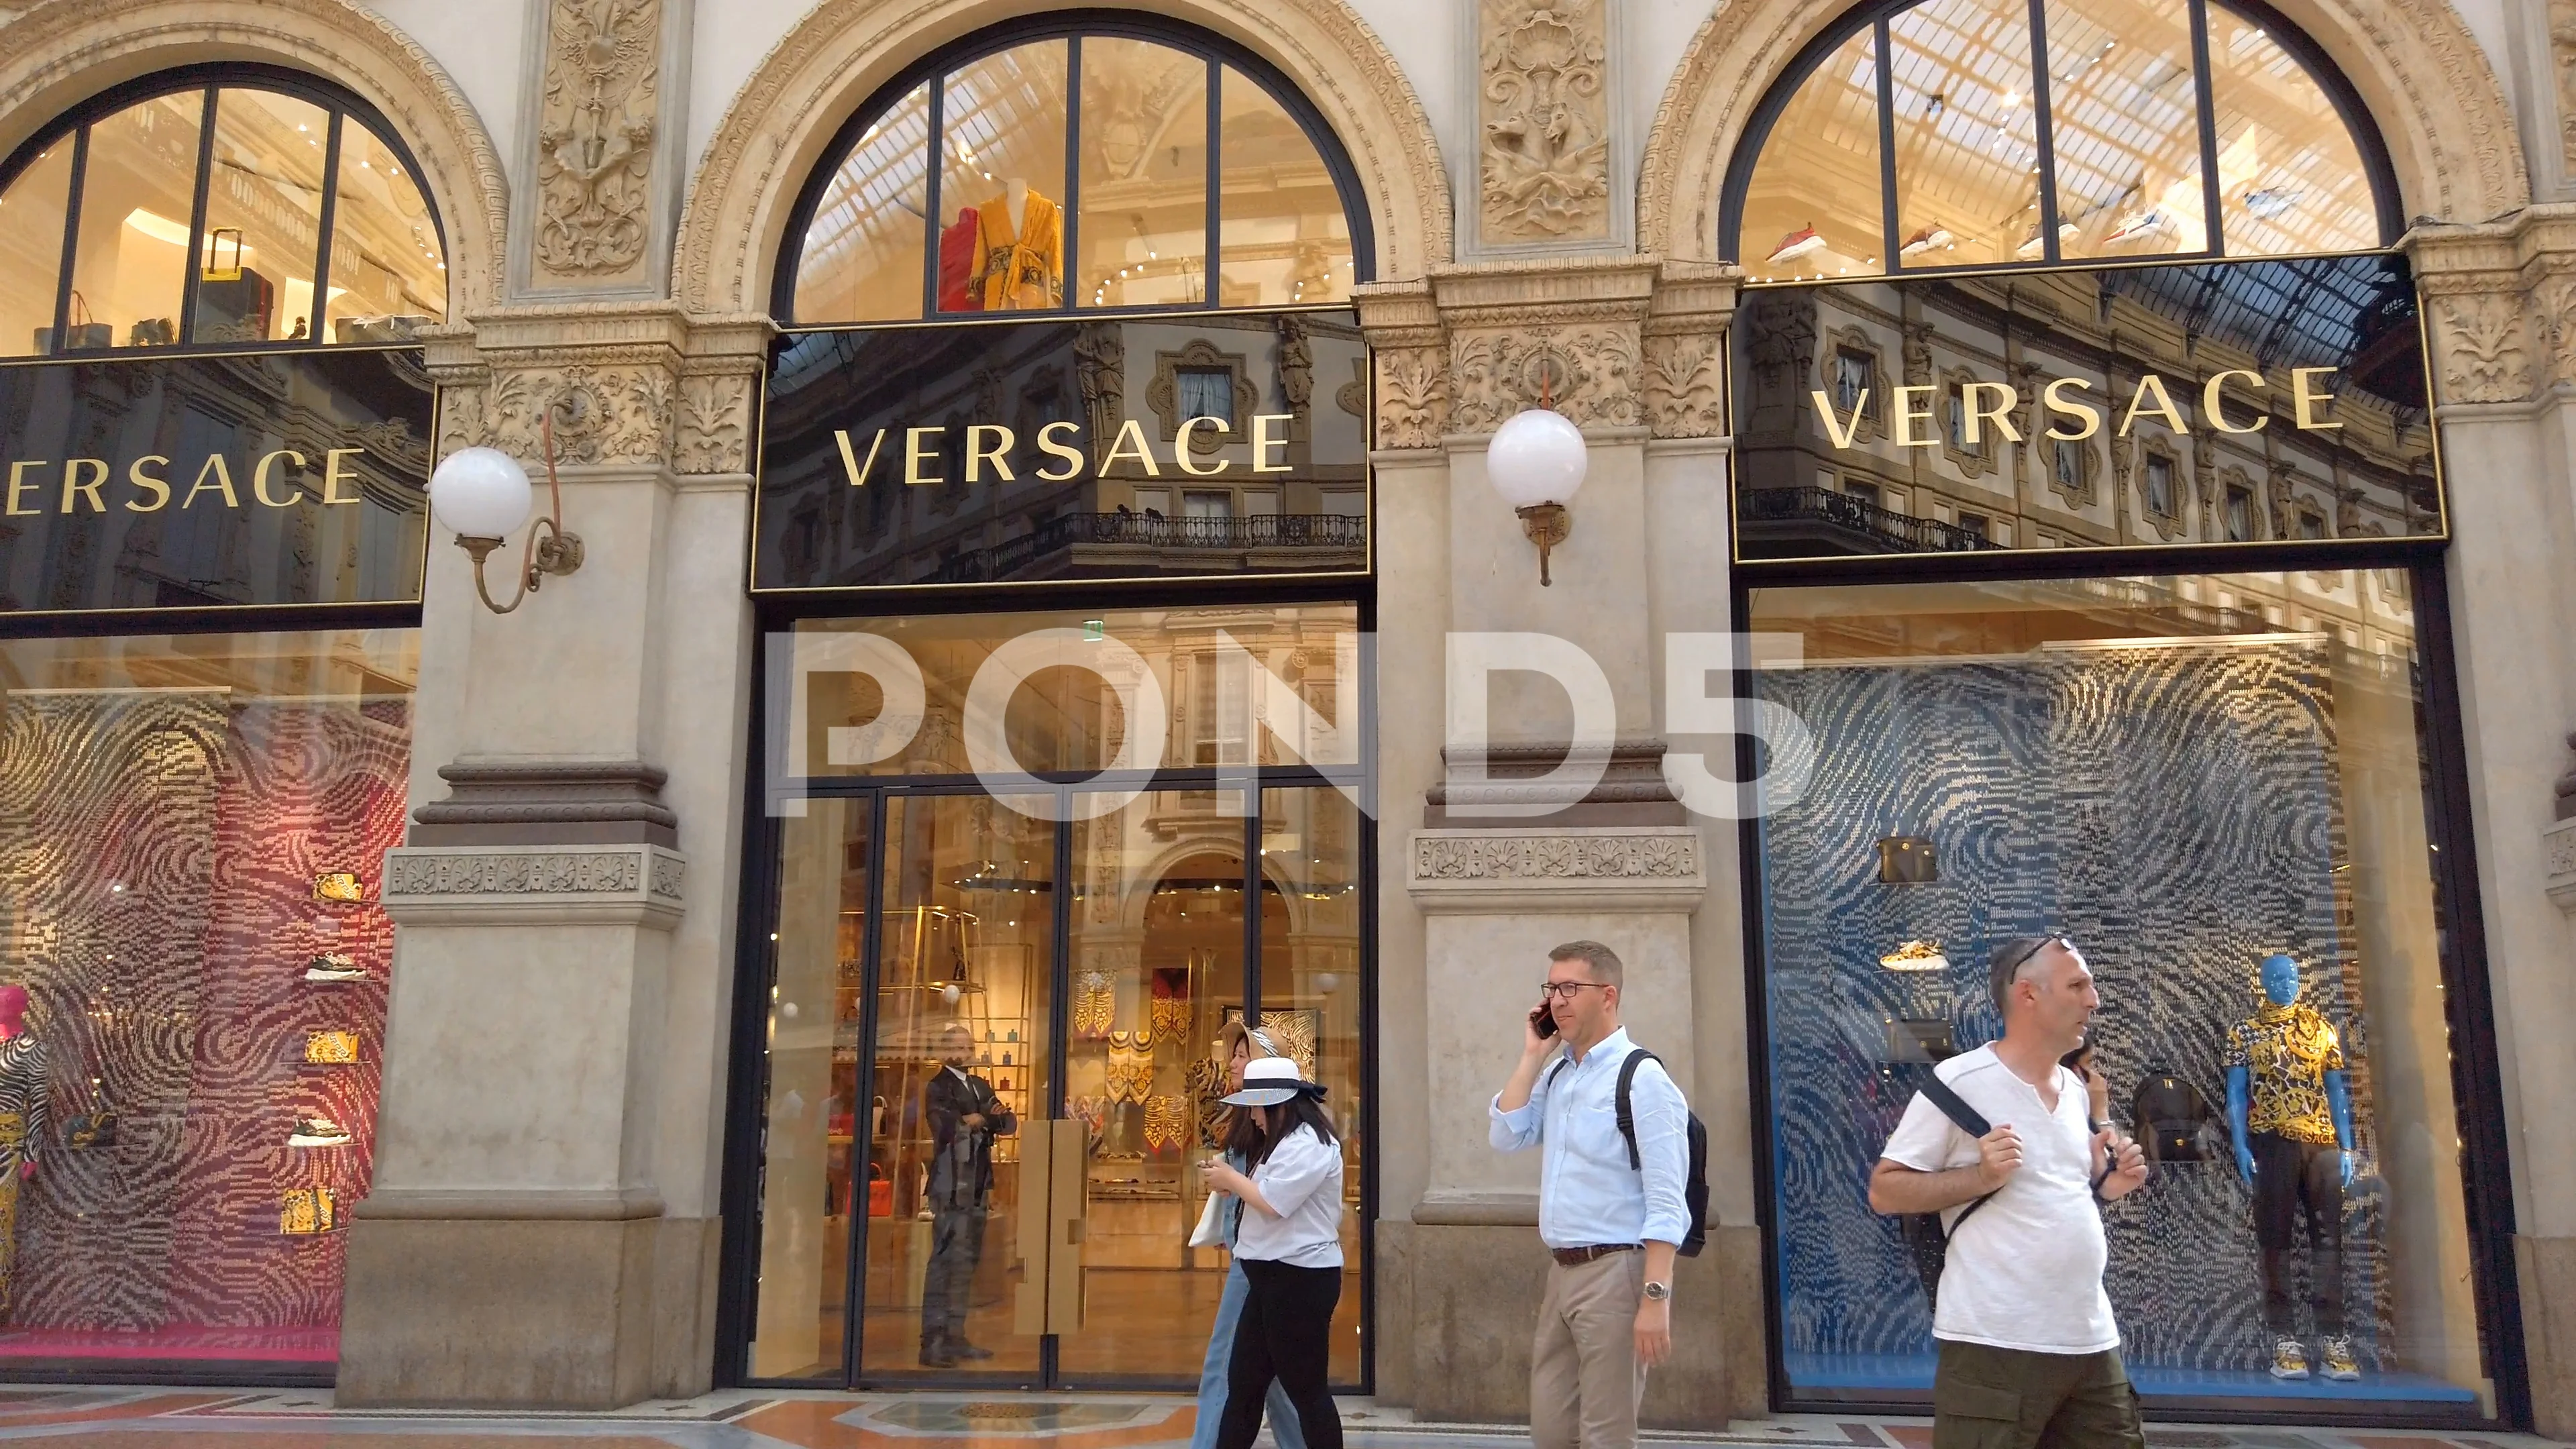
(1537, 461)
(481, 494)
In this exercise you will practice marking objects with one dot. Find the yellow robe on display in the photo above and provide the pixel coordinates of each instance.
(1018, 270)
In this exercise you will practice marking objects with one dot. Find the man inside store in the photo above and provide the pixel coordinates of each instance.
(1613, 1228)
(2030, 1356)
(964, 1116)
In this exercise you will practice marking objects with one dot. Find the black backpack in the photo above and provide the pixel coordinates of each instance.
(1695, 1181)
(1925, 1239)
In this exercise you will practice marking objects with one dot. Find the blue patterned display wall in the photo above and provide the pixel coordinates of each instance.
(2174, 809)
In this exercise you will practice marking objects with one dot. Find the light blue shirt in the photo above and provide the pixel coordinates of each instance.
(1588, 1194)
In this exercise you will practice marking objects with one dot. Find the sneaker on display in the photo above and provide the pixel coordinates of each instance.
(2289, 1360)
(317, 1132)
(334, 966)
(2340, 1364)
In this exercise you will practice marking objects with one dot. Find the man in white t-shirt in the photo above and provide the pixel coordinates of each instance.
(2030, 1356)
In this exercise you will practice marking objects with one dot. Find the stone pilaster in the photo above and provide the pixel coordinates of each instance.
(603, 138)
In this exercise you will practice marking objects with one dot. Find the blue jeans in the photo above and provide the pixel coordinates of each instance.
(1220, 1352)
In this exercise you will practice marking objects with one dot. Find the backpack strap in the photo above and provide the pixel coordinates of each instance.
(1628, 1115)
(1967, 1119)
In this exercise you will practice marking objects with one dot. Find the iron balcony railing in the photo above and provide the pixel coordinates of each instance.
(1319, 531)
(1902, 532)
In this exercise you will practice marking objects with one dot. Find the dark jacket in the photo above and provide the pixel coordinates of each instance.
(961, 1157)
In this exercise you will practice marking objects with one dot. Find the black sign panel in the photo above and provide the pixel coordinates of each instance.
(1026, 452)
(2213, 403)
(240, 480)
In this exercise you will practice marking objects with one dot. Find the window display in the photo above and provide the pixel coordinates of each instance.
(192, 986)
(2216, 786)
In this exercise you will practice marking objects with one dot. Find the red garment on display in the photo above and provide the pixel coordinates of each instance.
(957, 247)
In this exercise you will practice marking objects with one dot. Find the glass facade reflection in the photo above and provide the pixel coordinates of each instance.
(295, 221)
(1187, 164)
(2107, 159)
(2034, 734)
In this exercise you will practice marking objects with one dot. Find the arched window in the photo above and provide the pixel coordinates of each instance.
(1928, 136)
(303, 214)
(1098, 164)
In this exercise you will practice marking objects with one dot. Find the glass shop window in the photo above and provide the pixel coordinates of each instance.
(2123, 166)
(2228, 818)
(1181, 160)
(294, 221)
(192, 840)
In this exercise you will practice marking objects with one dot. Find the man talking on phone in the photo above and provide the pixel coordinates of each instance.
(1613, 1228)
(2030, 1356)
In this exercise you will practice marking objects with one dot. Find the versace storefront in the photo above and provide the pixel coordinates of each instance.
(989, 574)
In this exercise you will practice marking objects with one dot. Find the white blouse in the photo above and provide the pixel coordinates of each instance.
(1302, 1182)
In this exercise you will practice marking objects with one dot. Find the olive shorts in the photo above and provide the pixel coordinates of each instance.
(2004, 1398)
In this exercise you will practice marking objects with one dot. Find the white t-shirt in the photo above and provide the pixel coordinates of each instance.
(1302, 1182)
(2026, 1271)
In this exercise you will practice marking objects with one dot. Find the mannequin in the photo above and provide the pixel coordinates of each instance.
(1021, 265)
(2289, 1112)
(24, 1098)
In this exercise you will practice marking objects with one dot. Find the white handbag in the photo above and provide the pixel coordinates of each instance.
(1211, 1229)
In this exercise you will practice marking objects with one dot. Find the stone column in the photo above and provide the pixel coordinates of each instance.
(543, 1227)
(2502, 308)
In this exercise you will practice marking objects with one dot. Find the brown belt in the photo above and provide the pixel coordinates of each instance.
(1577, 1257)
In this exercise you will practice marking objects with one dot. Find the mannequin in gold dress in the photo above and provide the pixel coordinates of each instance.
(1021, 262)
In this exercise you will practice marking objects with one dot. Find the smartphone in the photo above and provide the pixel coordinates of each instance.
(1544, 1020)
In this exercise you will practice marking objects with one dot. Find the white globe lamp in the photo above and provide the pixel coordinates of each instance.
(482, 495)
(1536, 461)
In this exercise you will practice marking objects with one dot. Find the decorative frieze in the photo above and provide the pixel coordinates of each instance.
(595, 138)
(602, 413)
(1686, 384)
(2483, 344)
(1412, 397)
(1588, 373)
(714, 426)
(1544, 156)
(468, 884)
(1508, 872)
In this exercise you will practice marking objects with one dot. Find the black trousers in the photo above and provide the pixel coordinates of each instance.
(948, 1283)
(2296, 1181)
(1286, 1333)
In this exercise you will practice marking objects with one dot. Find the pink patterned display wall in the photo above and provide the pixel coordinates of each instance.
(158, 853)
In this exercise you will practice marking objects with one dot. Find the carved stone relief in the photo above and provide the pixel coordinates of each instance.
(1412, 397)
(714, 424)
(1100, 372)
(1545, 155)
(602, 414)
(595, 136)
(1587, 372)
(1686, 385)
(2484, 355)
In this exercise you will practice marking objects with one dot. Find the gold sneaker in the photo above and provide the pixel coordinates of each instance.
(317, 1131)
(2289, 1360)
(2337, 1352)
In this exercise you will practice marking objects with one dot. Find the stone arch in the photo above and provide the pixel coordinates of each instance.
(774, 134)
(2440, 108)
(62, 53)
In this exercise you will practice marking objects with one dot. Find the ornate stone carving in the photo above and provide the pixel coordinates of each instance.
(1545, 163)
(1686, 385)
(1296, 364)
(1655, 855)
(461, 417)
(714, 424)
(595, 135)
(1587, 373)
(515, 875)
(2480, 339)
(2554, 323)
(1100, 371)
(602, 414)
(1352, 397)
(1412, 398)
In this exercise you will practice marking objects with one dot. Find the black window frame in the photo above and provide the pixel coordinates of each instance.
(1071, 26)
(2378, 170)
(340, 104)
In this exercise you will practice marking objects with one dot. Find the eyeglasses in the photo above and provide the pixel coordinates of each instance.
(2044, 942)
(1567, 989)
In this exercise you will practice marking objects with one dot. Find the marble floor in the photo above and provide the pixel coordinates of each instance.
(142, 1418)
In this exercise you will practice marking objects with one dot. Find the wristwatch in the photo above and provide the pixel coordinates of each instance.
(1658, 1292)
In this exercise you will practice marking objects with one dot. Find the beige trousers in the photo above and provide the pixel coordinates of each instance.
(1585, 1380)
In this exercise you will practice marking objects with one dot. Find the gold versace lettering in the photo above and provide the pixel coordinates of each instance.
(2212, 408)
(222, 472)
(160, 487)
(1181, 447)
(914, 457)
(977, 456)
(1054, 447)
(2057, 403)
(1841, 431)
(2071, 419)
(1263, 441)
(73, 471)
(2304, 402)
(2163, 407)
(1143, 455)
(259, 479)
(850, 464)
(332, 473)
(1972, 417)
(19, 486)
(1907, 415)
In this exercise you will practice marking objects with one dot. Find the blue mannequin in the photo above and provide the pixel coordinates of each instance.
(2289, 1111)
(2281, 987)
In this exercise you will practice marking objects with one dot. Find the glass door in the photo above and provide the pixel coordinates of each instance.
(991, 1073)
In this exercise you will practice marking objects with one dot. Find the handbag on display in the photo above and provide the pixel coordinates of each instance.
(94, 1128)
(83, 331)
